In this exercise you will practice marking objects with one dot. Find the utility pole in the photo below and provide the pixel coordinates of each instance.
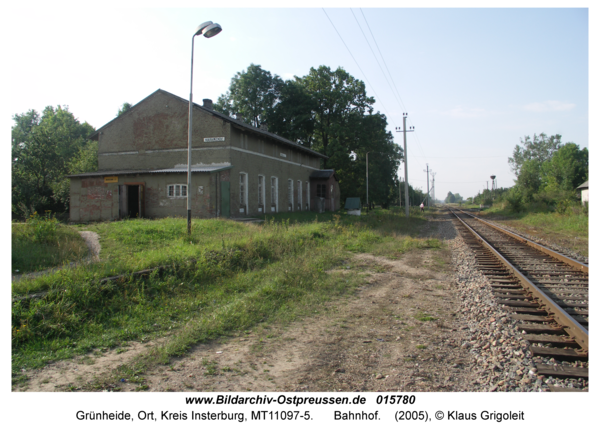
(399, 191)
(427, 184)
(367, 181)
(403, 130)
(433, 186)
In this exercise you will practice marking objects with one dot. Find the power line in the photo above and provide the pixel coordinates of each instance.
(364, 74)
(391, 77)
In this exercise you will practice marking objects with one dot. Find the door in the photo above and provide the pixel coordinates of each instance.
(123, 202)
(131, 201)
(225, 199)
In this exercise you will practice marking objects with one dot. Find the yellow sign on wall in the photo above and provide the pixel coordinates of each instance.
(111, 179)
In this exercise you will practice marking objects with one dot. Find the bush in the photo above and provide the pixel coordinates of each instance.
(514, 200)
(564, 207)
(44, 227)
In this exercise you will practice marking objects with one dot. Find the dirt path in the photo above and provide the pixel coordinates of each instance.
(381, 338)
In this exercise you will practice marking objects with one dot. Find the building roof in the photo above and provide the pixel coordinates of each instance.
(323, 174)
(352, 204)
(237, 123)
(584, 186)
(151, 171)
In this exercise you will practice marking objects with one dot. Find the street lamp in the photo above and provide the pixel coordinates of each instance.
(208, 29)
(378, 152)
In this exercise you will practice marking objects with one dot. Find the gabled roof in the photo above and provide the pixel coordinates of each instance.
(323, 174)
(237, 123)
(584, 186)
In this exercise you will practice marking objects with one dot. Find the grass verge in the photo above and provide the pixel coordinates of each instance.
(568, 230)
(241, 274)
(31, 252)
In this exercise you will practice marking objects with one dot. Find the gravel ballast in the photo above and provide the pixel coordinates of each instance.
(501, 360)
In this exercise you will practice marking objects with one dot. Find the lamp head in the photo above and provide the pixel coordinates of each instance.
(208, 29)
(201, 27)
(212, 30)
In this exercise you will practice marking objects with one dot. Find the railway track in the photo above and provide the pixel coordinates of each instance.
(544, 291)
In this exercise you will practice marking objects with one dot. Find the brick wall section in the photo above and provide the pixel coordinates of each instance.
(93, 200)
(156, 125)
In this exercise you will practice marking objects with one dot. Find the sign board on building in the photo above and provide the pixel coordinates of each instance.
(221, 139)
(111, 179)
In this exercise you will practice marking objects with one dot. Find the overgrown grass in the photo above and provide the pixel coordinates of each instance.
(227, 276)
(569, 229)
(38, 246)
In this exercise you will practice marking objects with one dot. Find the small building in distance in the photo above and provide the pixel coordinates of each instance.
(353, 206)
(585, 197)
(325, 188)
(237, 170)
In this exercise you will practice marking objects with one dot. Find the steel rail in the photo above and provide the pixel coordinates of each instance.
(570, 325)
(565, 259)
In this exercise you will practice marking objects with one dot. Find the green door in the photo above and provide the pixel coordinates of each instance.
(225, 199)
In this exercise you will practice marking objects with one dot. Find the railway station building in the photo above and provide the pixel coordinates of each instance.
(238, 170)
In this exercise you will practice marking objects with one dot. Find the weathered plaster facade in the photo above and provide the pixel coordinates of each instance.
(145, 150)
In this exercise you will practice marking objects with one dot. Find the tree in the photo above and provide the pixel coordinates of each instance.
(540, 149)
(458, 198)
(450, 198)
(252, 95)
(41, 150)
(123, 109)
(529, 179)
(292, 117)
(566, 170)
(340, 101)
(86, 160)
(327, 111)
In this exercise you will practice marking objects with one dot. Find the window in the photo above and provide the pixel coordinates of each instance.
(261, 191)
(299, 195)
(274, 194)
(321, 190)
(243, 189)
(177, 190)
(290, 195)
(307, 196)
(244, 141)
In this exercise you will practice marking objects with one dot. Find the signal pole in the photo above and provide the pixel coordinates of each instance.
(412, 129)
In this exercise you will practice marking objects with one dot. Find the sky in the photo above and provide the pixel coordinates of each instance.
(473, 81)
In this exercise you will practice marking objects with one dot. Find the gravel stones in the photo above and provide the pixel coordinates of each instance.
(501, 360)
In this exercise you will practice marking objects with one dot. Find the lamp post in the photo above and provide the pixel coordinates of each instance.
(368, 176)
(208, 29)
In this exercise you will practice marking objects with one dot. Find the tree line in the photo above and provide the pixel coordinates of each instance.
(328, 111)
(548, 172)
(46, 148)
